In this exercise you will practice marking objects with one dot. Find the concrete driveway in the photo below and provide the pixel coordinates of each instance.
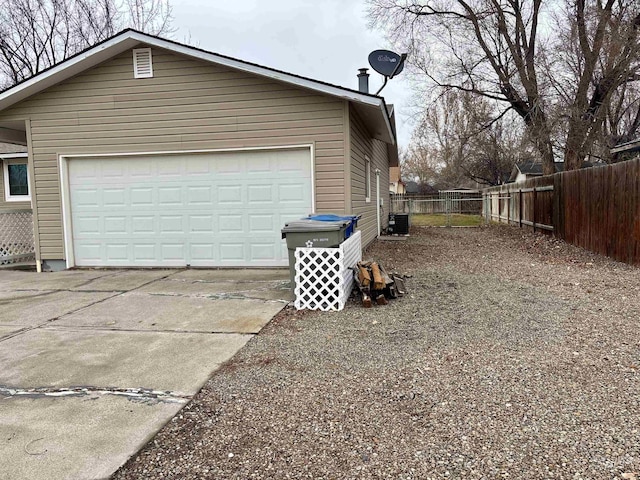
(94, 362)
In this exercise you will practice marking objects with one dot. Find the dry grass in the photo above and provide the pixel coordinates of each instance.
(440, 220)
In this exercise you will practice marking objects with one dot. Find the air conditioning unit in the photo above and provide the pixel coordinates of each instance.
(399, 223)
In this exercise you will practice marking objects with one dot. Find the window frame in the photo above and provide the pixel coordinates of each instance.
(21, 159)
(367, 179)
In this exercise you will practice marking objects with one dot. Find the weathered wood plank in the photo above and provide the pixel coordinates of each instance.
(597, 208)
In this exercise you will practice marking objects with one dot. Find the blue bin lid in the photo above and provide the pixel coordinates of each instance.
(329, 217)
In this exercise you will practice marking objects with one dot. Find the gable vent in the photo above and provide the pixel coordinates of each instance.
(142, 64)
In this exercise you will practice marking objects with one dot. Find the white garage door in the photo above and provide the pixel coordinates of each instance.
(216, 209)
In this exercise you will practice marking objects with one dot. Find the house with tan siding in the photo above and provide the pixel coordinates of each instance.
(144, 152)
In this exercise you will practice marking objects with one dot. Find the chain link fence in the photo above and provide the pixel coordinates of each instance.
(450, 208)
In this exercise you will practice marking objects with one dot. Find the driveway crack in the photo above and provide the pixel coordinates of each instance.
(135, 394)
(115, 294)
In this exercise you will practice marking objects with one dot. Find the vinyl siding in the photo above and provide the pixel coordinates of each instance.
(187, 105)
(362, 145)
(4, 205)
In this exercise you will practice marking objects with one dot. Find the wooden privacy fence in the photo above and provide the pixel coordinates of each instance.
(596, 208)
(529, 203)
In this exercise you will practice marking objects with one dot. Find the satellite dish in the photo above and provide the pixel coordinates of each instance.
(386, 62)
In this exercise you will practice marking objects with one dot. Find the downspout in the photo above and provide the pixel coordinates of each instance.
(378, 201)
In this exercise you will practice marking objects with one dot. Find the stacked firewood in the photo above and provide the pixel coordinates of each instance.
(373, 282)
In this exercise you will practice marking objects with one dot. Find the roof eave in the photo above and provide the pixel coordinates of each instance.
(130, 38)
(67, 69)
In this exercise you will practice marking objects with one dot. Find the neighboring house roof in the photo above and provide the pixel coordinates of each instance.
(534, 169)
(412, 187)
(627, 147)
(529, 168)
(372, 108)
(429, 190)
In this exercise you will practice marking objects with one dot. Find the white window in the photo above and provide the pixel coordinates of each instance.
(16, 180)
(367, 179)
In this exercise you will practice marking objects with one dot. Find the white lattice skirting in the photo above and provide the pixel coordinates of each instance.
(16, 237)
(323, 278)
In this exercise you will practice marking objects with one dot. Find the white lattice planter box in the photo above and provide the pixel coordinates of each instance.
(323, 277)
(16, 237)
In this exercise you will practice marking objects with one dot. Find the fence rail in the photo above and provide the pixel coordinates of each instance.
(514, 204)
(16, 237)
(596, 208)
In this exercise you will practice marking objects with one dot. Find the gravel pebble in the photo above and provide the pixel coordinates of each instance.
(515, 355)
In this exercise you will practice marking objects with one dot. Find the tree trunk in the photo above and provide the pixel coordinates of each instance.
(542, 138)
(548, 162)
(573, 154)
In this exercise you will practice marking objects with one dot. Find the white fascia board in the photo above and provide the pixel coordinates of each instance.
(9, 156)
(387, 121)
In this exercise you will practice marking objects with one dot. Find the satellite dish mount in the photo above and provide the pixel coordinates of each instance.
(386, 63)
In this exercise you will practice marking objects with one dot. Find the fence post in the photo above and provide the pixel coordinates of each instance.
(558, 226)
(484, 206)
(520, 209)
(535, 196)
(490, 217)
(508, 207)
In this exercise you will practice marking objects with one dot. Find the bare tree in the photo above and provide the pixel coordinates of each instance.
(419, 164)
(152, 16)
(460, 142)
(504, 50)
(597, 50)
(622, 122)
(36, 34)
(484, 47)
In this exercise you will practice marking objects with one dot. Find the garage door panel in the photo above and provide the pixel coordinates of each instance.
(143, 224)
(85, 198)
(144, 252)
(230, 195)
(90, 252)
(201, 224)
(141, 196)
(200, 195)
(116, 225)
(87, 225)
(203, 210)
(170, 196)
(117, 252)
(141, 170)
(231, 252)
(261, 223)
(168, 170)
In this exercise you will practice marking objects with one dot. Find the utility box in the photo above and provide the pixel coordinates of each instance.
(312, 233)
(398, 223)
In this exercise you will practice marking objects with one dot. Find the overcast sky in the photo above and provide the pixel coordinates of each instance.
(323, 39)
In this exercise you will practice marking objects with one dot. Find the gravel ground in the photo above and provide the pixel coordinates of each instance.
(514, 356)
